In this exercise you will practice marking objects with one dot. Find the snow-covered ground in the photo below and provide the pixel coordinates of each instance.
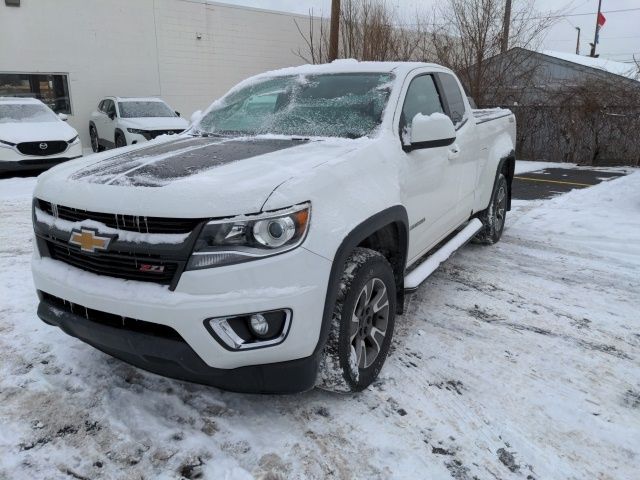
(517, 361)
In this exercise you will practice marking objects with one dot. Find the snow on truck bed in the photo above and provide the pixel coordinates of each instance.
(515, 361)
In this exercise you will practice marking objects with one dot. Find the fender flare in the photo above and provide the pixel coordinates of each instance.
(394, 215)
(507, 163)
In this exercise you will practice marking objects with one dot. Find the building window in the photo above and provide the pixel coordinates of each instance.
(51, 88)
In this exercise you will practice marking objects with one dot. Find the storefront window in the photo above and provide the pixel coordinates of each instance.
(52, 89)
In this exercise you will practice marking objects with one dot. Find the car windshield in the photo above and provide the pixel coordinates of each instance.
(139, 109)
(26, 112)
(332, 105)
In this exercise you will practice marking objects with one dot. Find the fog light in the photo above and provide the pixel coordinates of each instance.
(259, 324)
(251, 330)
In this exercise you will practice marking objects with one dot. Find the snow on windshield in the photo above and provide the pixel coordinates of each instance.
(136, 109)
(23, 112)
(347, 105)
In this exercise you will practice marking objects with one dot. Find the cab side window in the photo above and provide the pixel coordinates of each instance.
(453, 95)
(422, 97)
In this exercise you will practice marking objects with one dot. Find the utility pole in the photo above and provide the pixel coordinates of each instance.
(595, 37)
(505, 27)
(335, 27)
(578, 42)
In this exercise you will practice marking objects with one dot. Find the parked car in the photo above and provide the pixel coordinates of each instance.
(120, 121)
(270, 247)
(33, 137)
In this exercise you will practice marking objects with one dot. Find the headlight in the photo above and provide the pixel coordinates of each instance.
(73, 140)
(225, 242)
(145, 133)
(6, 144)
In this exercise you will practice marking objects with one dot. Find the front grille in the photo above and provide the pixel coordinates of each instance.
(157, 133)
(42, 149)
(129, 266)
(111, 320)
(132, 223)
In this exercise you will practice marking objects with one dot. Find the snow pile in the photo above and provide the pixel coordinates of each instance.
(519, 360)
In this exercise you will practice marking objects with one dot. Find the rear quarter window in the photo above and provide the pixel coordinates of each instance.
(453, 97)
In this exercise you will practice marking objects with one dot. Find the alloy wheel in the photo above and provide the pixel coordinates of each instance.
(369, 321)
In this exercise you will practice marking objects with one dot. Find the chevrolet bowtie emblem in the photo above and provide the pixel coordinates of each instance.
(89, 241)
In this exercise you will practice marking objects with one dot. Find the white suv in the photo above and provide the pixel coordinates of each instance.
(127, 121)
(32, 136)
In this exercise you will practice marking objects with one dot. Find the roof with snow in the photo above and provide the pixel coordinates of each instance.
(610, 66)
(20, 100)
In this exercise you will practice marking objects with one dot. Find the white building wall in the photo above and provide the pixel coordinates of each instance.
(145, 47)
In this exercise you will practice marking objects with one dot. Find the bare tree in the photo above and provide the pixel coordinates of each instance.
(369, 30)
(467, 34)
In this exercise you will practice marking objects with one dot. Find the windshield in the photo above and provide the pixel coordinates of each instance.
(331, 105)
(25, 112)
(145, 109)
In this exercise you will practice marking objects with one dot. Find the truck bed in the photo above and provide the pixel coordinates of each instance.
(488, 114)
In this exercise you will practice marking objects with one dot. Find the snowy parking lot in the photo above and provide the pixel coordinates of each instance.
(516, 361)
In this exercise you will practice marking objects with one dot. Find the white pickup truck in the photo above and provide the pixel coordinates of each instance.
(269, 247)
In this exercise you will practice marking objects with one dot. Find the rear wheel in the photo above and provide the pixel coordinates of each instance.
(362, 323)
(493, 218)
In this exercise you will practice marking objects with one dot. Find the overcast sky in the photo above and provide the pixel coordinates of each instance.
(619, 38)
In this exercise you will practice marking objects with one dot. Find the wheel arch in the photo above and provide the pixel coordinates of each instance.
(118, 131)
(507, 166)
(378, 233)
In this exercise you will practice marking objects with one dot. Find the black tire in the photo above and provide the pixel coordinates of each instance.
(95, 142)
(494, 217)
(120, 140)
(367, 278)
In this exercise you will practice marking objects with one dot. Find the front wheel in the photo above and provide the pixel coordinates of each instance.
(95, 143)
(120, 141)
(362, 323)
(493, 218)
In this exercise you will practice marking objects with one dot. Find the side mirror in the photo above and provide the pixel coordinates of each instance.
(196, 116)
(63, 117)
(112, 115)
(435, 130)
(177, 113)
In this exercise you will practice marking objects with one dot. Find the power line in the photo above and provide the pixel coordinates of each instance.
(585, 14)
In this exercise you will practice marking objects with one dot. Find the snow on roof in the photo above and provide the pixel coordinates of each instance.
(20, 100)
(617, 68)
(348, 65)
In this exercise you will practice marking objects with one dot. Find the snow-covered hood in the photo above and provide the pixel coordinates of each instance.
(190, 177)
(35, 132)
(155, 123)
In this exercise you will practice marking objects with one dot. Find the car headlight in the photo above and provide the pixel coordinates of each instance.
(225, 242)
(7, 144)
(73, 140)
(145, 133)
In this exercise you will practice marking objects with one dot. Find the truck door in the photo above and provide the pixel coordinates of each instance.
(468, 151)
(430, 185)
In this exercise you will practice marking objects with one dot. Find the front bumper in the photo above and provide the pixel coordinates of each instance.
(12, 161)
(172, 357)
(296, 280)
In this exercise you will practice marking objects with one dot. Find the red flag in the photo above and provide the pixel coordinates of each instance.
(601, 19)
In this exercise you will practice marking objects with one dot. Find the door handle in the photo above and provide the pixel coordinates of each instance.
(454, 152)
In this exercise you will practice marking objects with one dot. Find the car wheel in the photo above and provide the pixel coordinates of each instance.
(120, 141)
(95, 144)
(362, 324)
(493, 218)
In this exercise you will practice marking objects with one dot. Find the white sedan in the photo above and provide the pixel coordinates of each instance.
(120, 121)
(33, 137)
